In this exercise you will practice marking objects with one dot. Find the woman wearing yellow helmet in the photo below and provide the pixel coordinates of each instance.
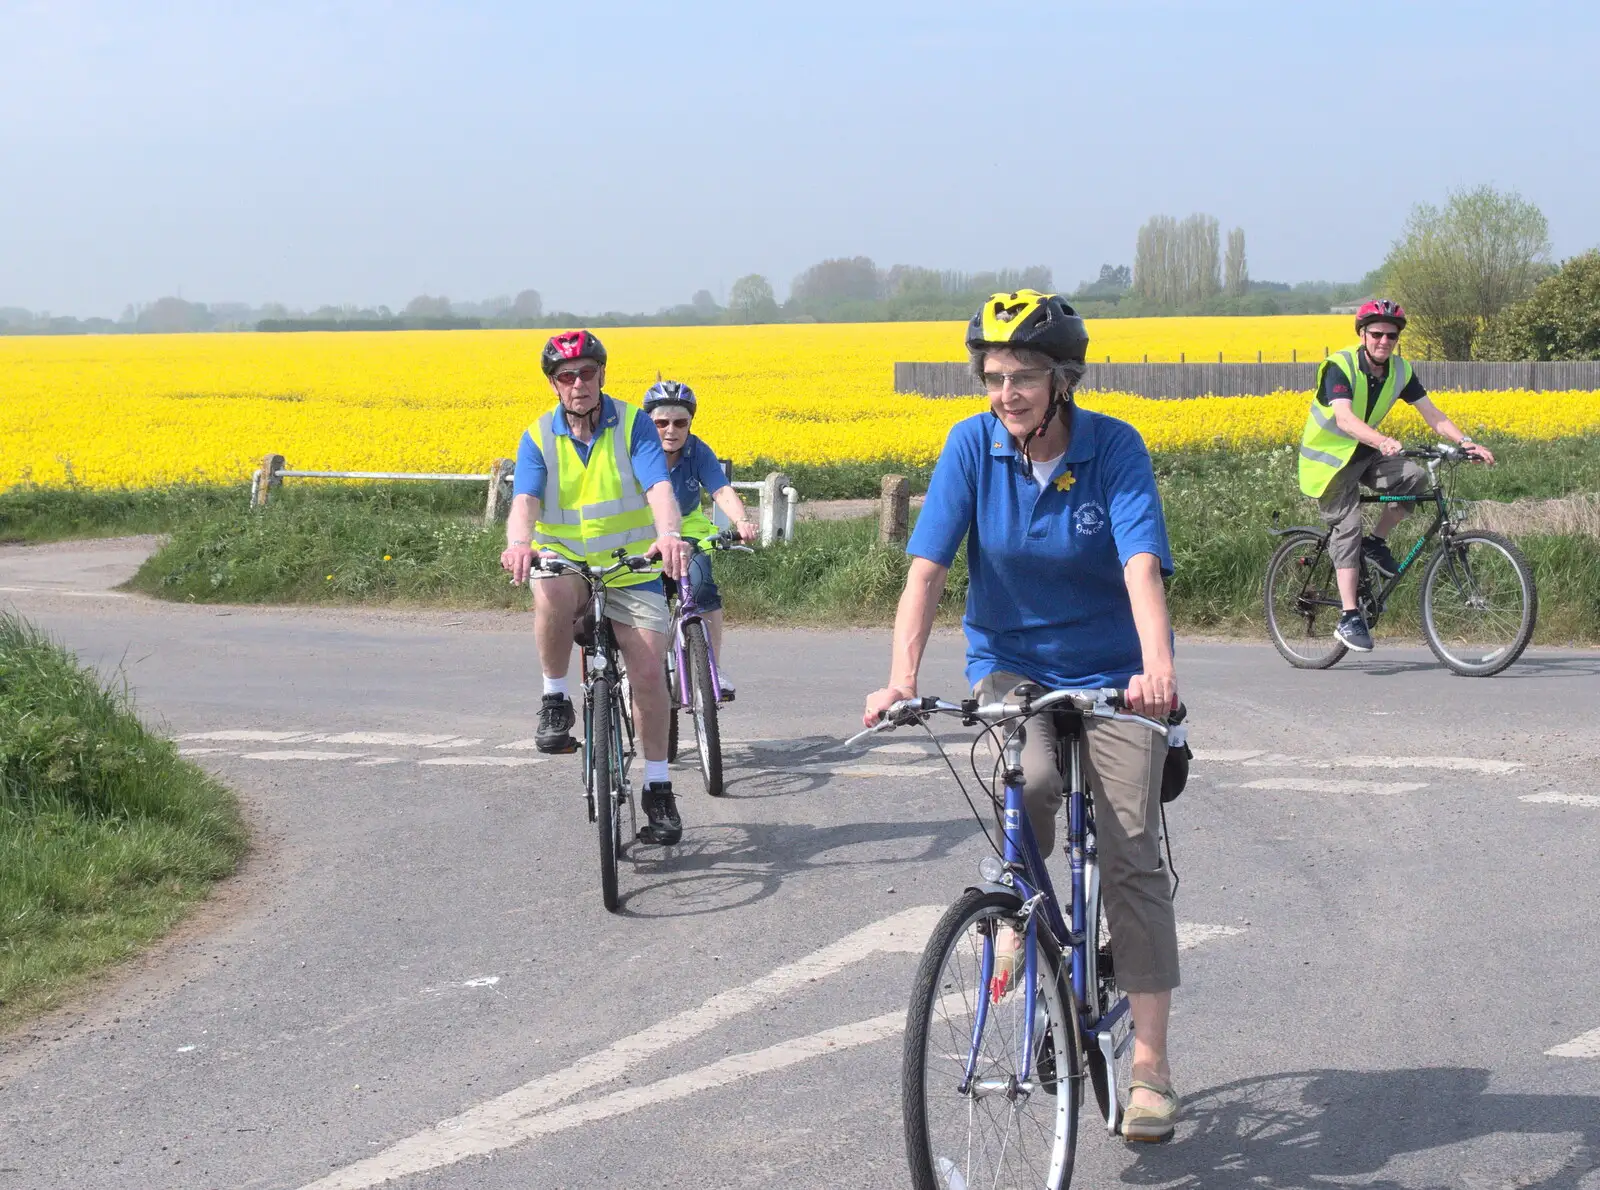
(1066, 551)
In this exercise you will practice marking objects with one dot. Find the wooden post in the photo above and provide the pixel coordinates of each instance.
(1219, 357)
(1183, 357)
(894, 510)
(1147, 357)
(498, 474)
(1258, 355)
(1324, 353)
(1294, 355)
(267, 479)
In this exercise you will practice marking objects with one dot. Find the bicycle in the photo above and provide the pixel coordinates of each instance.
(608, 742)
(976, 1063)
(692, 677)
(1479, 601)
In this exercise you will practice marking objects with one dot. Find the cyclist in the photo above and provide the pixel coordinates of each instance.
(1066, 551)
(694, 468)
(1342, 448)
(591, 478)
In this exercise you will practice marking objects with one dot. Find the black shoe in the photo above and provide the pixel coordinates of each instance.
(665, 827)
(556, 718)
(728, 693)
(1377, 552)
(1352, 631)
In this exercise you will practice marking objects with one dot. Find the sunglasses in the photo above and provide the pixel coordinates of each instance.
(671, 423)
(571, 376)
(1392, 336)
(1022, 378)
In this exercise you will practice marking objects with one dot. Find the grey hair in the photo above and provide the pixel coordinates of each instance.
(1064, 374)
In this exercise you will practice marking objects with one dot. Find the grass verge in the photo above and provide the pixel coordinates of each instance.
(106, 836)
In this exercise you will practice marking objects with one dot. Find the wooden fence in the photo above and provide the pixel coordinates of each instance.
(1172, 381)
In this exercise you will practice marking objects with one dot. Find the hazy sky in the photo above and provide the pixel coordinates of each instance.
(622, 156)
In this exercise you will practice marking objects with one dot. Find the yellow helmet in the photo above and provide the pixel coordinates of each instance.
(1029, 320)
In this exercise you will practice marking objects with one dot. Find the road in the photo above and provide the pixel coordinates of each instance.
(1388, 897)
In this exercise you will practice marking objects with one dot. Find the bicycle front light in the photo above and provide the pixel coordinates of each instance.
(991, 869)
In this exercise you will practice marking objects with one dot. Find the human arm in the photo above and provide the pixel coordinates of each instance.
(727, 499)
(913, 621)
(1446, 429)
(1344, 416)
(527, 487)
(669, 546)
(1154, 691)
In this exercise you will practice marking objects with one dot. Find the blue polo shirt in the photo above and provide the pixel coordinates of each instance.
(649, 460)
(1046, 597)
(698, 469)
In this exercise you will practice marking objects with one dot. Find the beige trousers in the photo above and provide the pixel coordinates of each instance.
(1123, 764)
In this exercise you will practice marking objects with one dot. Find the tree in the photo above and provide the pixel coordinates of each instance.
(527, 304)
(831, 283)
(171, 316)
(1118, 278)
(1236, 271)
(1456, 268)
(1559, 320)
(703, 303)
(751, 300)
(428, 307)
(1176, 263)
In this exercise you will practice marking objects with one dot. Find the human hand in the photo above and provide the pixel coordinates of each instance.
(748, 531)
(674, 555)
(880, 701)
(1390, 446)
(518, 559)
(1481, 453)
(1153, 694)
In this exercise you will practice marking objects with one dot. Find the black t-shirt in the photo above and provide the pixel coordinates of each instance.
(1334, 385)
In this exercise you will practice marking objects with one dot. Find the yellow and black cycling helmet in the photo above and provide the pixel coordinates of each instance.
(1029, 320)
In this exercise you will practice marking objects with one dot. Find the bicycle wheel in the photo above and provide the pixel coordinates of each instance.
(672, 702)
(1000, 1131)
(607, 810)
(1479, 603)
(703, 706)
(1303, 605)
(1108, 1048)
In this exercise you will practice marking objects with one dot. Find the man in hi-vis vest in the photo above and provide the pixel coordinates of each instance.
(592, 478)
(1342, 449)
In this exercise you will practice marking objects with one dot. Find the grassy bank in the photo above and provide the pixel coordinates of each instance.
(106, 835)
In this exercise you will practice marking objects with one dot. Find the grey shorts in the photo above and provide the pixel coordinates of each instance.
(1340, 504)
(644, 609)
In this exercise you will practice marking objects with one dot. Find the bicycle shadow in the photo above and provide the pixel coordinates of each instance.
(1321, 1128)
(719, 868)
(1524, 667)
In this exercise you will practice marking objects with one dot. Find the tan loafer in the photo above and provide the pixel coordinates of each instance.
(1150, 1125)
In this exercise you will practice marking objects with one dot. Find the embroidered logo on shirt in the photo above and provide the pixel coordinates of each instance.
(1065, 480)
(1089, 519)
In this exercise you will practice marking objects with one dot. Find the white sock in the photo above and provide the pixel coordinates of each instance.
(656, 771)
(556, 685)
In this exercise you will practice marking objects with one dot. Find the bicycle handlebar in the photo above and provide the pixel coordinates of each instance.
(1104, 703)
(555, 564)
(1444, 452)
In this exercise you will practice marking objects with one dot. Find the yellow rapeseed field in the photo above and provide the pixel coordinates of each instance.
(142, 410)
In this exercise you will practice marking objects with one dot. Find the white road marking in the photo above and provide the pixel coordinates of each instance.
(378, 760)
(521, 745)
(63, 591)
(1458, 764)
(200, 751)
(291, 754)
(487, 981)
(384, 739)
(503, 762)
(1226, 755)
(1585, 1045)
(458, 742)
(870, 770)
(489, 1126)
(1551, 798)
(249, 736)
(1319, 785)
(1193, 933)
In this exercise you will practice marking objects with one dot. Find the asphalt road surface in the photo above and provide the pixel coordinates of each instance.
(1388, 903)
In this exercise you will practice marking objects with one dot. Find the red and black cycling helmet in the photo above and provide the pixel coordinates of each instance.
(569, 346)
(1380, 310)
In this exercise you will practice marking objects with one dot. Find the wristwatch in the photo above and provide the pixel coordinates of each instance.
(1465, 441)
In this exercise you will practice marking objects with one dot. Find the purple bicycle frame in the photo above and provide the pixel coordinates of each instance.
(689, 612)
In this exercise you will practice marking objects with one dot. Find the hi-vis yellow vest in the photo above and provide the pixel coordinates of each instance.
(1324, 447)
(587, 512)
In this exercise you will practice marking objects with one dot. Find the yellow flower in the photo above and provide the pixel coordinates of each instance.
(330, 578)
(387, 558)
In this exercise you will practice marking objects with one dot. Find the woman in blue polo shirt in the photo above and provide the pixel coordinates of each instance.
(694, 468)
(1066, 552)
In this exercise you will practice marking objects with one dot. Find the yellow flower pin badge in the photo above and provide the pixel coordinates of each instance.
(1065, 480)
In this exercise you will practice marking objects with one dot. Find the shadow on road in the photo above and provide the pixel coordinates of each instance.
(1525, 667)
(1323, 1128)
(718, 868)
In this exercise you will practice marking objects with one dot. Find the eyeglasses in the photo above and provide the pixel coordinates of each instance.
(1022, 378)
(1392, 336)
(571, 376)
(671, 423)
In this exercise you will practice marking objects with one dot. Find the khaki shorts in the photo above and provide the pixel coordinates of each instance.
(644, 609)
(1340, 503)
(1124, 766)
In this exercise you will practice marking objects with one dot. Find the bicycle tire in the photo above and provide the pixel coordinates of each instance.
(600, 777)
(1457, 588)
(672, 703)
(1107, 992)
(954, 1138)
(703, 707)
(1292, 597)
